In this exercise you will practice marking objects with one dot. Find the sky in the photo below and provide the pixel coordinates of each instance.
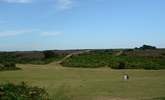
(81, 24)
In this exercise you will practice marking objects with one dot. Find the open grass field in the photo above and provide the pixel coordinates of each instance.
(91, 84)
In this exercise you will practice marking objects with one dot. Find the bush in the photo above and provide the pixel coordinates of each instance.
(11, 65)
(159, 98)
(21, 91)
(144, 47)
(1, 66)
(8, 66)
(118, 65)
(30, 57)
(151, 66)
(121, 65)
(49, 54)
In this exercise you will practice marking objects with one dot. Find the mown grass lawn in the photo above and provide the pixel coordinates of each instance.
(91, 84)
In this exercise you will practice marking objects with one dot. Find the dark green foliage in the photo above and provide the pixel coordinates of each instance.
(21, 92)
(12, 57)
(145, 47)
(163, 54)
(120, 65)
(49, 54)
(88, 60)
(160, 98)
(102, 59)
(7, 57)
(127, 50)
(8, 66)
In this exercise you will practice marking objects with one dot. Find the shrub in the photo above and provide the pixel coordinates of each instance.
(151, 65)
(121, 65)
(163, 54)
(8, 66)
(11, 65)
(144, 47)
(49, 54)
(159, 98)
(21, 91)
(118, 65)
(1, 66)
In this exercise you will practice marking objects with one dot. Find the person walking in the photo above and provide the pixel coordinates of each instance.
(126, 77)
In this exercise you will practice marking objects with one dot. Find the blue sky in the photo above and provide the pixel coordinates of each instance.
(81, 24)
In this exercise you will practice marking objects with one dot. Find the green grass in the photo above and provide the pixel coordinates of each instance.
(91, 84)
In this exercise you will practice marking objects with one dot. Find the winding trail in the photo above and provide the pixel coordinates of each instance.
(68, 56)
(77, 53)
(119, 53)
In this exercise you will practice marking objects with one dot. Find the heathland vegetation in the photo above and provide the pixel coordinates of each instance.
(10, 91)
(30, 57)
(8, 66)
(145, 57)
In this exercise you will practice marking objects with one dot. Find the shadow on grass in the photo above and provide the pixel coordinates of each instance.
(159, 98)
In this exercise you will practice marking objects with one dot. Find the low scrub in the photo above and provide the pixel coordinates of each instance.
(44, 57)
(22, 91)
(103, 59)
(8, 66)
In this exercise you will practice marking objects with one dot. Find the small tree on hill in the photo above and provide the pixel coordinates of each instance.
(49, 54)
(145, 47)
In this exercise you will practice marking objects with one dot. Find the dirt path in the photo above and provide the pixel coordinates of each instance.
(70, 55)
(119, 53)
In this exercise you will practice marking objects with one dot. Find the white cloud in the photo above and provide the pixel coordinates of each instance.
(36, 31)
(50, 33)
(16, 1)
(60, 4)
(13, 33)
(64, 4)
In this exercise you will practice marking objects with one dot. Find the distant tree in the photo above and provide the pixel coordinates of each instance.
(136, 48)
(49, 54)
(145, 47)
(148, 47)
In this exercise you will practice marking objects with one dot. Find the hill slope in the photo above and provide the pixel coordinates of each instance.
(119, 59)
